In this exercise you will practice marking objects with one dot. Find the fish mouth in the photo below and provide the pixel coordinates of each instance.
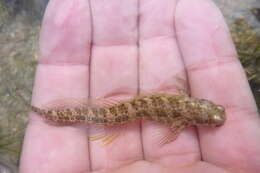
(218, 125)
(220, 122)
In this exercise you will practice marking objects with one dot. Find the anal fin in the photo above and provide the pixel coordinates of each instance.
(107, 134)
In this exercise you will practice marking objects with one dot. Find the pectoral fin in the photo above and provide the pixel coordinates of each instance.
(177, 126)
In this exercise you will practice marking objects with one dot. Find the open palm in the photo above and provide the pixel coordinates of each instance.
(122, 48)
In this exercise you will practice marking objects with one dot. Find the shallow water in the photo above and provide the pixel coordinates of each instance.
(18, 53)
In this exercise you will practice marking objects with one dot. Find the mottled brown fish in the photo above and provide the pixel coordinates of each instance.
(177, 111)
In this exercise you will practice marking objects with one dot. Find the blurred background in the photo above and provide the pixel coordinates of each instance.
(19, 32)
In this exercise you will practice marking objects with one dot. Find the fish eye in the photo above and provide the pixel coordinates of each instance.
(204, 101)
(220, 108)
(216, 117)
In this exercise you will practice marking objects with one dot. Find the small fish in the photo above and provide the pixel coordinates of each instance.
(176, 111)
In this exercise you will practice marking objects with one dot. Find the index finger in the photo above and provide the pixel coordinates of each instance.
(62, 72)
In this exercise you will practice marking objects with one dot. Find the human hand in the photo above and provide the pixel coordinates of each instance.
(99, 51)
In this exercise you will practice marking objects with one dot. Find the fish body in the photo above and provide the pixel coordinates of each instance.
(168, 109)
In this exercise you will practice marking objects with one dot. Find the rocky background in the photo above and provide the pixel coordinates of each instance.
(19, 30)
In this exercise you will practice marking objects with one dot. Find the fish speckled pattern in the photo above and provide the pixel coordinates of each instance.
(177, 111)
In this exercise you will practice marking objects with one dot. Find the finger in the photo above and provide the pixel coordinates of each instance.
(216, 74)
(160, 67)
(113, 72)
(62, 73)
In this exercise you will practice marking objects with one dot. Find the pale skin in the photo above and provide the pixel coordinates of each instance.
(174, 37)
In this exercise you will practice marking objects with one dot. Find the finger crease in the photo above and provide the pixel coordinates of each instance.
(212, 63)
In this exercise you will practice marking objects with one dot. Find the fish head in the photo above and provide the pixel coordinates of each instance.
(209, 114)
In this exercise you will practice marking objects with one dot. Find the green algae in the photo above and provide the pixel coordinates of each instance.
(4, 13)
(19, 44)
(247, 41)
